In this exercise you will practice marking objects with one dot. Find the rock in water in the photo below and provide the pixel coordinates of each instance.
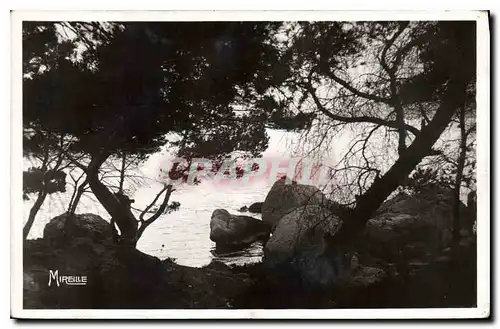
(256, 207)
(233, 230)
(298, 243)
(77, 225)
(284, 198)
(243, 209)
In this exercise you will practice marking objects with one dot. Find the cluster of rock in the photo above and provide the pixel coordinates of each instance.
(298, 216)
(409, 236)
(301, 216)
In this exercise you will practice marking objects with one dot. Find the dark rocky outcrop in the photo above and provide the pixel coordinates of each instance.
(440, 283)
(402, 259)
(285, 197)
(118, 276)
(409, 227)
(81, 225)
(235, 230)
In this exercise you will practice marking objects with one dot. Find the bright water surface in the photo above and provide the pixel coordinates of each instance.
(183, 234)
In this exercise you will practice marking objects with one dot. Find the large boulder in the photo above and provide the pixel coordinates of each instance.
(285, 196)
(66, 226)
(234, 230)
(298, 243)
(410, 227)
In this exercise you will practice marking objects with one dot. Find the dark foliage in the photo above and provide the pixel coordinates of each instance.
(35, 180)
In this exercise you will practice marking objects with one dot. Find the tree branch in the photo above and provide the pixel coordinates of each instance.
(145, 223)
(395, 99)
(163, 205)
(141, 216)
(367, 119)
(357, 92)
(370, 201)
(401, 52)
(388, 45)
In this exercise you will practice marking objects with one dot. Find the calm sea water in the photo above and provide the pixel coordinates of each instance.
(183, 234)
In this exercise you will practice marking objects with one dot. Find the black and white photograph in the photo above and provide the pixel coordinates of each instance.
(258, 165)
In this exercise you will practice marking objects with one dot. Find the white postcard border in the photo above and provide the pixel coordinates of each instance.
(483, 161)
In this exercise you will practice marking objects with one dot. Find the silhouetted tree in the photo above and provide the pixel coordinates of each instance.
(379, 77)
(42, 52)
(137, 82)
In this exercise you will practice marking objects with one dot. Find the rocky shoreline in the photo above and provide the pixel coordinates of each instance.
(403, 259)
(130, 279)
(123, 278)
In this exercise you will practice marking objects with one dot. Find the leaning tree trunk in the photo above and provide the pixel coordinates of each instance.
(120, 213)
(453, 98)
